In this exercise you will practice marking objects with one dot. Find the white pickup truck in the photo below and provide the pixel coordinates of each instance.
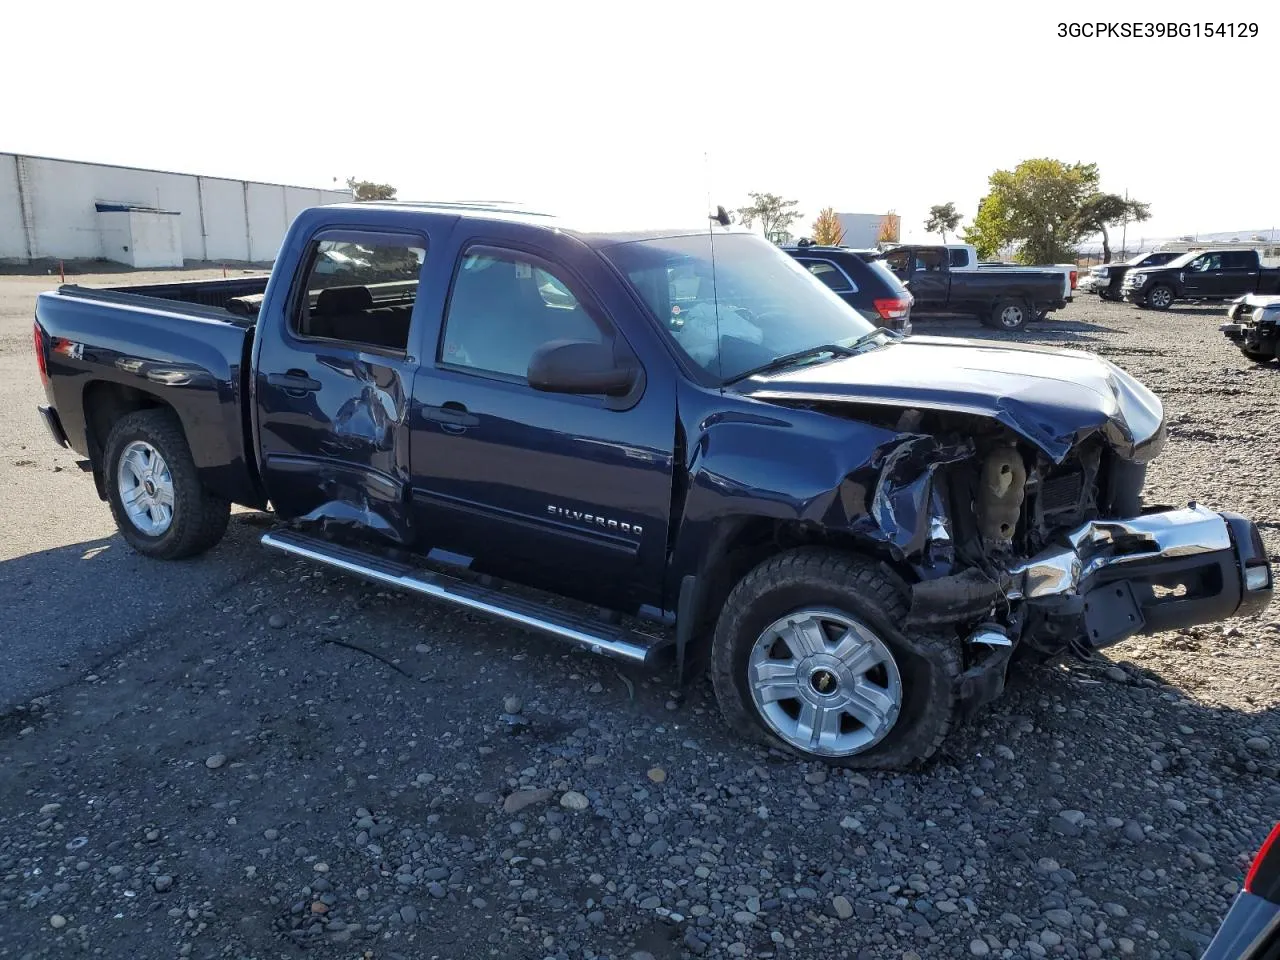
(964, 256)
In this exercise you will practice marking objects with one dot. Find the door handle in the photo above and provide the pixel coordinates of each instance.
(451, 413)
(295, 381)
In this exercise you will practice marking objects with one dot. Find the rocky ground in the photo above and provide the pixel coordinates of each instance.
(245, 757)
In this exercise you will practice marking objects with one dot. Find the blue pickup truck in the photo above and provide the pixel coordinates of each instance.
(666, 445)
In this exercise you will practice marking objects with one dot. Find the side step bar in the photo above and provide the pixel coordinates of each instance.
(594, 635)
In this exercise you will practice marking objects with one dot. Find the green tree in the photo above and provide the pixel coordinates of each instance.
(774, 213)
(1037, 205)
(1104, 210)
(368, 190)
(826, 229)
(943, 219)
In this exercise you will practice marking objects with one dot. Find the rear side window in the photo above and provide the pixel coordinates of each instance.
(1238, 260)
(503, 307)
(831, 275)
(958, 258)
(360, 290)
(881, 269)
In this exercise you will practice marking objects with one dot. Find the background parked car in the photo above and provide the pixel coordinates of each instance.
(1203, 275)
(1106, 278)
(1253, 324)
(861, 280)
(1003, 299)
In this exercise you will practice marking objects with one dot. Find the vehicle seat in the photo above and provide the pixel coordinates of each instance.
(351, 314)
(339, 313)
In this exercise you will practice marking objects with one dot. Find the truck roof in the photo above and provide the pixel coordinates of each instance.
(595, 234)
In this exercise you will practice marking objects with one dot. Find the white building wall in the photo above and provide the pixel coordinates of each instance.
(113, 233)
(861, 230)
(157, 239)
(267, 224)
(13, 241)
(224, 221)
(219, 219)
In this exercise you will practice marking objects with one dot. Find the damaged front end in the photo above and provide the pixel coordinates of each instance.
(1011, 549)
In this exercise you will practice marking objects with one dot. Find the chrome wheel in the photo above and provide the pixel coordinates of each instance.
(825, 683)
(1012, 317)
(146, 488)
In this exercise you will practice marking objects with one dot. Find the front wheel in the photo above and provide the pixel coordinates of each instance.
(156, 497)
(808, 657)
(1009, 315)
(1160, 297)
(1260, 356)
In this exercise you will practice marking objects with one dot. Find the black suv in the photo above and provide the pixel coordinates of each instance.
(869, 286)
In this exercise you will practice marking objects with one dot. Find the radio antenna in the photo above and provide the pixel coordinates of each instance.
(720, 216)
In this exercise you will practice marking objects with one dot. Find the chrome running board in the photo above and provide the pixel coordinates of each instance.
(591, 634)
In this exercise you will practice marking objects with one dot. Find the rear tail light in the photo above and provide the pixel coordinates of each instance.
(894, 309)
(40, 357)
(1264, 876)
(1074, 276)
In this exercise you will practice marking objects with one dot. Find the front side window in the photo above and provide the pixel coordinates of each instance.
(503, 307)
(360, 291)
(734, 301)
(831, 275)
(1207, 262)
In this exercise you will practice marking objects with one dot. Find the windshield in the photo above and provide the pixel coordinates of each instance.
(763, 302)
(1183, 260)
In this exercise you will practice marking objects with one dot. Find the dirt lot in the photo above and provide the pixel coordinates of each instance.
(192, 764)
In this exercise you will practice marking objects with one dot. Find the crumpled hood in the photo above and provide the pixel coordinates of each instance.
(1054, 398)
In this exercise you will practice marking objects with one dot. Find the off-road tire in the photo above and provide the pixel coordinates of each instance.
(994, 318)
(1147, 300)
(859, 587)
(199, 517)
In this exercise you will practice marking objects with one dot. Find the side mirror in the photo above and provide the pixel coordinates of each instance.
(580, 366)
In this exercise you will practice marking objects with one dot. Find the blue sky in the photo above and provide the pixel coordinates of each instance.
(641, 110)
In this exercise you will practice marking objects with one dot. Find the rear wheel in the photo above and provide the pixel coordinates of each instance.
(1009, 315)
(1160, 297)
(808, 657)
(154, 491)
(1259, 356)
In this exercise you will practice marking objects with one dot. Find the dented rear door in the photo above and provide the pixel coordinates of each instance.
(333, 381)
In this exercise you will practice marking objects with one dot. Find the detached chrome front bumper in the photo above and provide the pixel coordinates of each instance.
(1158, 571)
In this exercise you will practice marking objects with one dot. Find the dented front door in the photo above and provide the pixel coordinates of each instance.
(333, 382)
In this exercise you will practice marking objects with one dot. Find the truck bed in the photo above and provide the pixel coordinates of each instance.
(187, 345)
(234, 300)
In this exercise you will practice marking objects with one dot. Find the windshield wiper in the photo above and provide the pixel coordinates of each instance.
(786, 360)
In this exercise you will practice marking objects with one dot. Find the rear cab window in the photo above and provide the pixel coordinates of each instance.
(359, 289)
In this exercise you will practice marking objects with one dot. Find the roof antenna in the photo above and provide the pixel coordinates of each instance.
(721, 216)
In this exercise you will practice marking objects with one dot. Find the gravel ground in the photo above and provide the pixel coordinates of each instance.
(243, 756)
